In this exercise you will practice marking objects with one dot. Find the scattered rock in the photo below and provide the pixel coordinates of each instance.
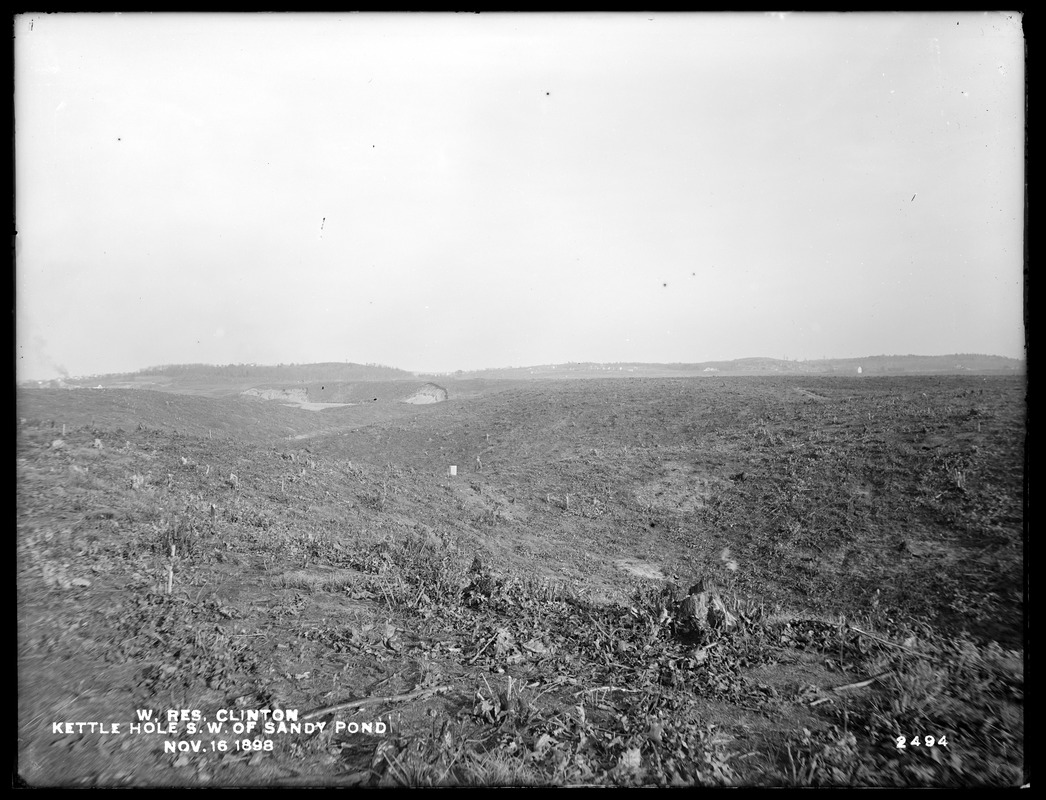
(703, 610)
(57, 444)
(703, 585)
(482, 584)
(654, 732)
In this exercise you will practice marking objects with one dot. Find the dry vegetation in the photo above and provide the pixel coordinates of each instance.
(745, 581)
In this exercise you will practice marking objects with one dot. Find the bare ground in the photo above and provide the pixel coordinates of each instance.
(310, 571)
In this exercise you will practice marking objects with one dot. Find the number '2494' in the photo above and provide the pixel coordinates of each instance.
(926, 741)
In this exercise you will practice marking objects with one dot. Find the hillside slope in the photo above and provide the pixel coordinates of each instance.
(852, 548)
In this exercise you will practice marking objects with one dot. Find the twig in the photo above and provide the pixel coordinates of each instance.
(861, 684)
(609, 689)
(555, 684)
(892, 644)
(484, 647)
(388, 600)
(379, 683)
(396, 698)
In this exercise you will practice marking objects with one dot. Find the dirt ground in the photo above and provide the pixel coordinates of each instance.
(203, 554)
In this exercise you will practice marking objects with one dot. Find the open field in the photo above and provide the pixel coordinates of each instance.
(530, 620)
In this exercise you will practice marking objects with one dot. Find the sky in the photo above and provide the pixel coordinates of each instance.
(438, 192)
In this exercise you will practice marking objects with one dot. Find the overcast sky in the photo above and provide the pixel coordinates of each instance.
(442, 192)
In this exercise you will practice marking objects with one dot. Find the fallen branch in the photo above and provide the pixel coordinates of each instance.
(396, 698)
(862, 684)
(608, 689)
(894, 644)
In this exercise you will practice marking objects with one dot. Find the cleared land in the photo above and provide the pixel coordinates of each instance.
(530, 619)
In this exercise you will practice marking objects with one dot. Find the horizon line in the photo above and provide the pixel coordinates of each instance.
(158, 367)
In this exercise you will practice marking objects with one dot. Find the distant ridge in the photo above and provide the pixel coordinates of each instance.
(956, 364)
(220, 380)
(330, 370)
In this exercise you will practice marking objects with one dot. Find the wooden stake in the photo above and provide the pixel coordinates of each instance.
(170, 573)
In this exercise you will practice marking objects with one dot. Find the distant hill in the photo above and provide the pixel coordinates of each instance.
(230, 379)
(333, 381)
(959, 364)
